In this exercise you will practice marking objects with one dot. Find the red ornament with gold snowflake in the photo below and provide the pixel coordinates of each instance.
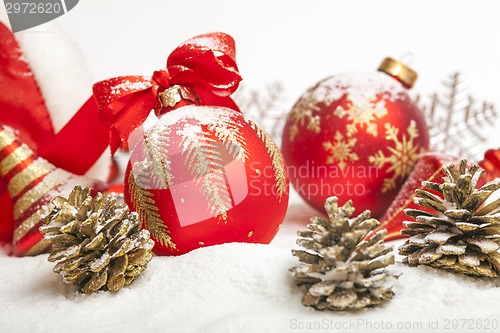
(355, 135)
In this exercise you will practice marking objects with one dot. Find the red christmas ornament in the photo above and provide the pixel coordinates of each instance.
(355, 136)
(32, 183)
(428, 168)
(204, 176)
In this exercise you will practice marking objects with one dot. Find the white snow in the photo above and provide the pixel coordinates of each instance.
(202, 114)
(226, 288)
(230, 288)
(361, 88)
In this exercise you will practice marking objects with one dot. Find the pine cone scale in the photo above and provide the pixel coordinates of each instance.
(342, 299)
(485, 245)
(452, 249)
(438, 237)
(68, 253)
(95, 283)
(100, 263)
(380, 262)
(140, 257)
(95, 243)
(322, 288)
(495, 260)
(119, 266)
(470, 259)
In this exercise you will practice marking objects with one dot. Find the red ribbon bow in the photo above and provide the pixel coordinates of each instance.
(205, 63)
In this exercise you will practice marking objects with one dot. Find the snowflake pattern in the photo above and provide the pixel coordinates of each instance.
(402, 156)
(340, 151)
(303, 113)
(361, 114)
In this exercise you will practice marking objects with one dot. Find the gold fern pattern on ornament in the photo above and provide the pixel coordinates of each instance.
(277, 160)
(203, 158)
(340, 151)
(304, 113)
(146, 206)
(362, 115)
(402, 155)
(229, 133)
(205, 163)
(155, 145)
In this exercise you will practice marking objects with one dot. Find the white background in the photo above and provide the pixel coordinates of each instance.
(300, 42)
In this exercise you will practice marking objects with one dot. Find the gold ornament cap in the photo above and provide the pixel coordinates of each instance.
(169, 98)
(399, 70)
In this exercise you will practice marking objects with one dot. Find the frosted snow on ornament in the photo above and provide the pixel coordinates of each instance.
(205, 175)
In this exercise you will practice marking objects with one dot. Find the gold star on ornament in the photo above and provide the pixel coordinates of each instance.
(402, 156)
(340, 151)
(303, 114)
(362, 114)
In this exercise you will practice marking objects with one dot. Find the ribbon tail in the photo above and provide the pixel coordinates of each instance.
(132, 115)
(207, 98)
(80, 143)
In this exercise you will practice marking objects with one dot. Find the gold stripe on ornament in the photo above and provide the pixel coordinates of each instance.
(6, 139)
(16, 157)
(29, 174)
(24, 228)
(277, 161)
(148, 211)
(37, 248)
(52, 180)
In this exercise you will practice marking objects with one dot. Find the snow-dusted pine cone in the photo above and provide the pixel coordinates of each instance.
(96, 243)
(341, 269)
(458, 232)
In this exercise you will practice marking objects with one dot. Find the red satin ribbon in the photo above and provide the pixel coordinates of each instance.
(205, 63)
(21, 103)
(80, 143)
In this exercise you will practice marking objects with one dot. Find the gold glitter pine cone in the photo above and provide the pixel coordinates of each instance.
(96, 243)
(340, 268)
(462, 234)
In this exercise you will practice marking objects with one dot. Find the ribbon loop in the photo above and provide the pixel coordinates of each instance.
(205, 64)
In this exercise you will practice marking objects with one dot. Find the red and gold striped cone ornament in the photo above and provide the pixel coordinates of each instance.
(32, 183)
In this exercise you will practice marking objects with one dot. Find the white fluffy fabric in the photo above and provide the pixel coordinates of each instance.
(62, 75)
